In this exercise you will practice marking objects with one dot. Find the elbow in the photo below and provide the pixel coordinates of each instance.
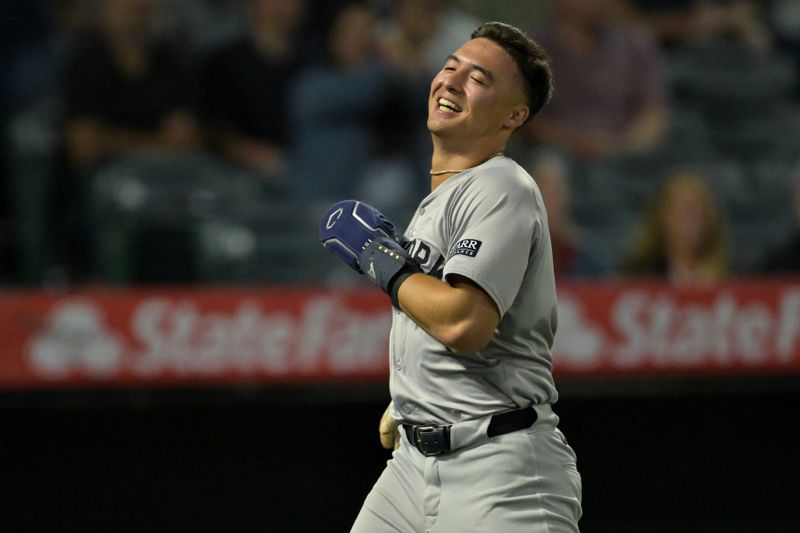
(467, 337)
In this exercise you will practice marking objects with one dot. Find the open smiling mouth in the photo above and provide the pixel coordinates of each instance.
(448, 106)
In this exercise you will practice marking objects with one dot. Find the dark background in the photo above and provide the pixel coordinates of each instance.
(656, 456)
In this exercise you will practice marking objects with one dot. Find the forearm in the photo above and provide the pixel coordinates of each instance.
(457, 313)
(460, 315)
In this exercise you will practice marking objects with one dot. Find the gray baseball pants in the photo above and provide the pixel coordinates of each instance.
(523, 481)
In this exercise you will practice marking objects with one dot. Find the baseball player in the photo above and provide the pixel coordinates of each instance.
(474, 314)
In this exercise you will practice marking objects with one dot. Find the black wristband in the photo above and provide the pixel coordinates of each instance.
(395, 287)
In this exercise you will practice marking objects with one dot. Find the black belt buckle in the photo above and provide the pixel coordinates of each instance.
(432, 440)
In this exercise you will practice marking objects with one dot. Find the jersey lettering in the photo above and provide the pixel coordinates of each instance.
(438, 269)
(422, 254)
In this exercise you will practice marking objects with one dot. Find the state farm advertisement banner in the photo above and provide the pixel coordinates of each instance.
(192, 336)
(654, 329)
(217, 336)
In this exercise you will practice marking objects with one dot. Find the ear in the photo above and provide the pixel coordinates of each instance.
(517, 117)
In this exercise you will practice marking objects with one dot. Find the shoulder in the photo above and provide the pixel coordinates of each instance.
(498, 189)
(503, 177)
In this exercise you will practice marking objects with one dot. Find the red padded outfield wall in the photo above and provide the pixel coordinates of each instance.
(186, 336)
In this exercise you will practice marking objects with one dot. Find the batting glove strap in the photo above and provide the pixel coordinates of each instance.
(388, 265)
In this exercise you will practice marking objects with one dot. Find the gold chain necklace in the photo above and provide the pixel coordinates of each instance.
(459, 170)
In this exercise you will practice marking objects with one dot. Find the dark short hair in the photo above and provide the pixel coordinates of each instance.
(530, 57)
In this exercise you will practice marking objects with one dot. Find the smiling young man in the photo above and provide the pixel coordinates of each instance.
(474, 315)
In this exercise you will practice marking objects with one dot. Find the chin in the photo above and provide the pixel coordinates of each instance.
(439, 127)
(439, 132)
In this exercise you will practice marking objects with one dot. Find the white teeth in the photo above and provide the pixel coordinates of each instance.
(448, 105)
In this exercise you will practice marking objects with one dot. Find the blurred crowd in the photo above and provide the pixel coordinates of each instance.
(198, 141)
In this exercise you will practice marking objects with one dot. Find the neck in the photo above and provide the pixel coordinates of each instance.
(448, 161)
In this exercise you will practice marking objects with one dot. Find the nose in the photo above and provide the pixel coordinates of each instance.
(453, 81)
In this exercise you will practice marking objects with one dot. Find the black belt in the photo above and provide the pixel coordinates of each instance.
(435, 440)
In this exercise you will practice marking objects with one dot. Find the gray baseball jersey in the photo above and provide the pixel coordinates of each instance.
(487, 224)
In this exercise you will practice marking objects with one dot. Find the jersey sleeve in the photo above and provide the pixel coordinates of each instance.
(494, 223)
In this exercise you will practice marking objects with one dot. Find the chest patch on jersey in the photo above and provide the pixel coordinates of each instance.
(468, 247)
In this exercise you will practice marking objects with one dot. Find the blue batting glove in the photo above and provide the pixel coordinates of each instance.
(348, 226)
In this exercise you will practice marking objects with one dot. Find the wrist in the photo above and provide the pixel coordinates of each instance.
(388, 265)
(394, 288)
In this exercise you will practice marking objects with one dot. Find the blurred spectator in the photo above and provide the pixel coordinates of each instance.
(610, 87)
(682, 238)
(571, 259)
(22, 22)
(420, 34)
(786, 259)
(39, 36)
(246, 88)
(699, 22)
(520, 14)
(126, 90)
(415, 40)
(203, 24)
(784, 16)
(333, 107)
(35, 64)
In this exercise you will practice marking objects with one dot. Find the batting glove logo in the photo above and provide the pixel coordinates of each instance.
(335, 216)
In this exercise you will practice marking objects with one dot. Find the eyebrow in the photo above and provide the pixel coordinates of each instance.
(486, 72)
